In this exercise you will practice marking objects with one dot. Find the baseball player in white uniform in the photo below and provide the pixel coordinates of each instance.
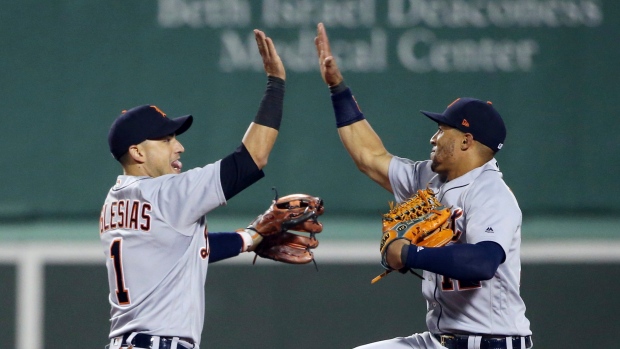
(471, 285)
(153, 226)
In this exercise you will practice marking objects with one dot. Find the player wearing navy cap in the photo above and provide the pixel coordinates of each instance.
(472, 284)
(153, 226)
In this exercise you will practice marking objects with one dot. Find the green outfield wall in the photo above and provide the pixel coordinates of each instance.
(266, 307)
(69, 67)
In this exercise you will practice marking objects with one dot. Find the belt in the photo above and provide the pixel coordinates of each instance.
(141, 340)
(457, 341)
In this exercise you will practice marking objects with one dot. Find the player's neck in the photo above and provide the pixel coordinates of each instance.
(134, 170)
(465, 166)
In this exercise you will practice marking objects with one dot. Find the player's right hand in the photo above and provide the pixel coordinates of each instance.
(271, 61)
(327, 62)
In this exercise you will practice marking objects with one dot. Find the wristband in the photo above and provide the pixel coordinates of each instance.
(345, 106)
(247, 240)
(270, 110)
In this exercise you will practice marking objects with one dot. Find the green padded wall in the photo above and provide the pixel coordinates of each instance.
(337, 307)
(68, 67)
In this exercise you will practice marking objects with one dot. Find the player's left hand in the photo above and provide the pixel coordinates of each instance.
(271, 60)
(327, 62)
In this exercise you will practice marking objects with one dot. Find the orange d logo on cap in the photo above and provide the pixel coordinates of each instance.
(158, 110)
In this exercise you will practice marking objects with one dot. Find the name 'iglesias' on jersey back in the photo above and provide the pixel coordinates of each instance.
(125, 214)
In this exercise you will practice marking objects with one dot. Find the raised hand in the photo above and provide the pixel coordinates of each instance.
(329, 69)
(271, 61)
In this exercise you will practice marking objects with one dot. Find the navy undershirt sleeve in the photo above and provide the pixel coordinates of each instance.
(466, 262)
(238, 171)
(224, 245)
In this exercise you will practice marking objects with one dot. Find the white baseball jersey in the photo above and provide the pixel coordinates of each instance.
(154, 234)
(484, 209)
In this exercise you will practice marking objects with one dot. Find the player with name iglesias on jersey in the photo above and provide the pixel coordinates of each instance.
(472, 284)
(153, 225)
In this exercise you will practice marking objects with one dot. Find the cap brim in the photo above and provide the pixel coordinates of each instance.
(439, 118)
(185, 122)
(175, 126)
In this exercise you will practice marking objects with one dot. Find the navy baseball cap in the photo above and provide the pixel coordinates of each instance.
(474, 116)
(138, 124)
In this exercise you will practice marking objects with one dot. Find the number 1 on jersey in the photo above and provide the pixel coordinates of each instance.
(122, 294)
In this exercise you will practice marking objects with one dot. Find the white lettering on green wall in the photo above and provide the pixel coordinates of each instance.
(422, 36)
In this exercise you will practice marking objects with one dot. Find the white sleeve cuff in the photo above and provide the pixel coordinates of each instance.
(247, 240)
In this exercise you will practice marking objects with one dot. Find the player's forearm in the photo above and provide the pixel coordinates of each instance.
(365, 147)
(466, 262)
(359, 139)
(262, 133)
(259, 141)
(224, 245)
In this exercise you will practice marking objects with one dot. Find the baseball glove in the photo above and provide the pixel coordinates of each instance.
(287, 215)
(422, 220)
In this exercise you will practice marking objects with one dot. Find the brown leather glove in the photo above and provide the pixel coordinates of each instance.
(422, 220)
(286, 215)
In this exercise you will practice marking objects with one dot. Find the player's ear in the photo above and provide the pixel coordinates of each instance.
(467, 141)
(137, 153)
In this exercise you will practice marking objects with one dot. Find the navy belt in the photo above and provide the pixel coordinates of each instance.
(142, 340)
(458, 341)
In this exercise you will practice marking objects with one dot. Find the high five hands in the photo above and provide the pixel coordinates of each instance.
(273, 64)
(327, 62)
(271, 61)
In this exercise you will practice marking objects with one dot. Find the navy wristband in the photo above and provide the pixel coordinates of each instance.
(346, 109)
(270, 110)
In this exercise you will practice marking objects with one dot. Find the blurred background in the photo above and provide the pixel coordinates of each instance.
(70, 67)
